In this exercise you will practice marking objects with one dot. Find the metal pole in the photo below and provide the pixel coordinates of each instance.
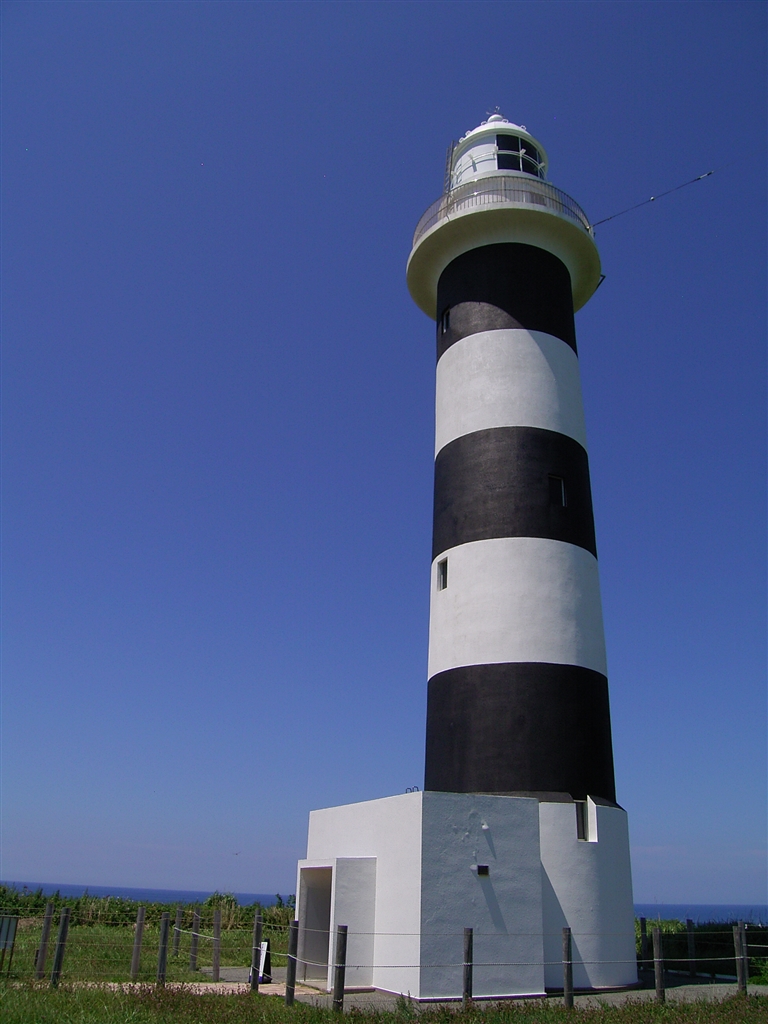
(162, 949)
(466, 993)
(61, 942)
(194, 941)
(258, 926)
(658, 966)
(42, 952)
(290, 974)
(567, 969)
(216, 943)
(741, 981)
(177, 930)
(691, 949)
(136, 955)
(339, 968)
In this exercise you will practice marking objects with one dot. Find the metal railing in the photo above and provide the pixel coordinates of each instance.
(501, 190)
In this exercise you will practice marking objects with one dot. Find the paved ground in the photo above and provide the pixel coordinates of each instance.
(679, 988)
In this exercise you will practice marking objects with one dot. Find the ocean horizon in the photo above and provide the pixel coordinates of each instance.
(751, 913)
(138, 894)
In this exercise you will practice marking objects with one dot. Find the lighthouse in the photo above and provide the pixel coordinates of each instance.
(517, 832)
(518, 694)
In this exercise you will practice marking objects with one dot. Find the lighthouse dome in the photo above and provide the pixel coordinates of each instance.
(497, 146)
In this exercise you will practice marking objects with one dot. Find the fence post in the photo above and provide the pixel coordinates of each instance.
(177, 930)
(195, 940)
(466, 989)
(339, 968)
(162, 949)
(745, 952)
(691, 948)
(741, 982)
(258, 926)
(216, 943)
(61, 942)
(644, 943)
(567, 969)
(658, 966)
(136, 955)
(42, 952)
(290, 974)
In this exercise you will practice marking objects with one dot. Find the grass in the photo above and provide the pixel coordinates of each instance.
(103, 952)
(30, 1004)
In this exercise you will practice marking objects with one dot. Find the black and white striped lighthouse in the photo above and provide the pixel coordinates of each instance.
(517, 833)
(518, 694)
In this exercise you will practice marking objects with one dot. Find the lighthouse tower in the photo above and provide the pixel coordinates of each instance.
(517, 833)
(518, 695)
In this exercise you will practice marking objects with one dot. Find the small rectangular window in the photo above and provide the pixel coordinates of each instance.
(557, 495)
(442, 574)
(582, 821)
(508, 143)
(445, 321)
(482, 869)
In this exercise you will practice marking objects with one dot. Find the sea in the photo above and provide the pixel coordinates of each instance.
(751, 913)
(125, 892)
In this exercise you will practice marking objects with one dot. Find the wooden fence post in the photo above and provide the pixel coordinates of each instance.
(567, 969)
(290, 974)
(216, 943)
(741, 981)
(339, 968)
(466, 988)
(42, 952)
(61, 942)
(177, 930)
(195, 940)
(136, 955)
(644, 943)
(162, 949)
(744, 952)
(658, 966)
(258, 927)
(691, 948)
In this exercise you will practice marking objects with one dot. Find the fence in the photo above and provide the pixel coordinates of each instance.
(157, 950)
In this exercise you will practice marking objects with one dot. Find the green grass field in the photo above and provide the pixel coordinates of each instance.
(28, 1004)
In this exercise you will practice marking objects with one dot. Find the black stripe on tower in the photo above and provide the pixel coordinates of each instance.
(504, 285)
(524, 727)
(512, 482)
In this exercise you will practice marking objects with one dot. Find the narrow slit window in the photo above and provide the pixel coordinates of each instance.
(557, 495)
(442, 574)
(445, 322)
(582, 821)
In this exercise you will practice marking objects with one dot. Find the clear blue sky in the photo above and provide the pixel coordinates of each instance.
(218, 417)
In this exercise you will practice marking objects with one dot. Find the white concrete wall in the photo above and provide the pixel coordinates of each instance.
(588, 887)
(508, 378)
(353, 903)
(517, 599)
(389, 830)
(460, 831)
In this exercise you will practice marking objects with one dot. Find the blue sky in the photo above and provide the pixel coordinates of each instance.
(218, 417)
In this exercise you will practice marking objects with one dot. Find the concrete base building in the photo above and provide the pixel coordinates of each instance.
(518, 833)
